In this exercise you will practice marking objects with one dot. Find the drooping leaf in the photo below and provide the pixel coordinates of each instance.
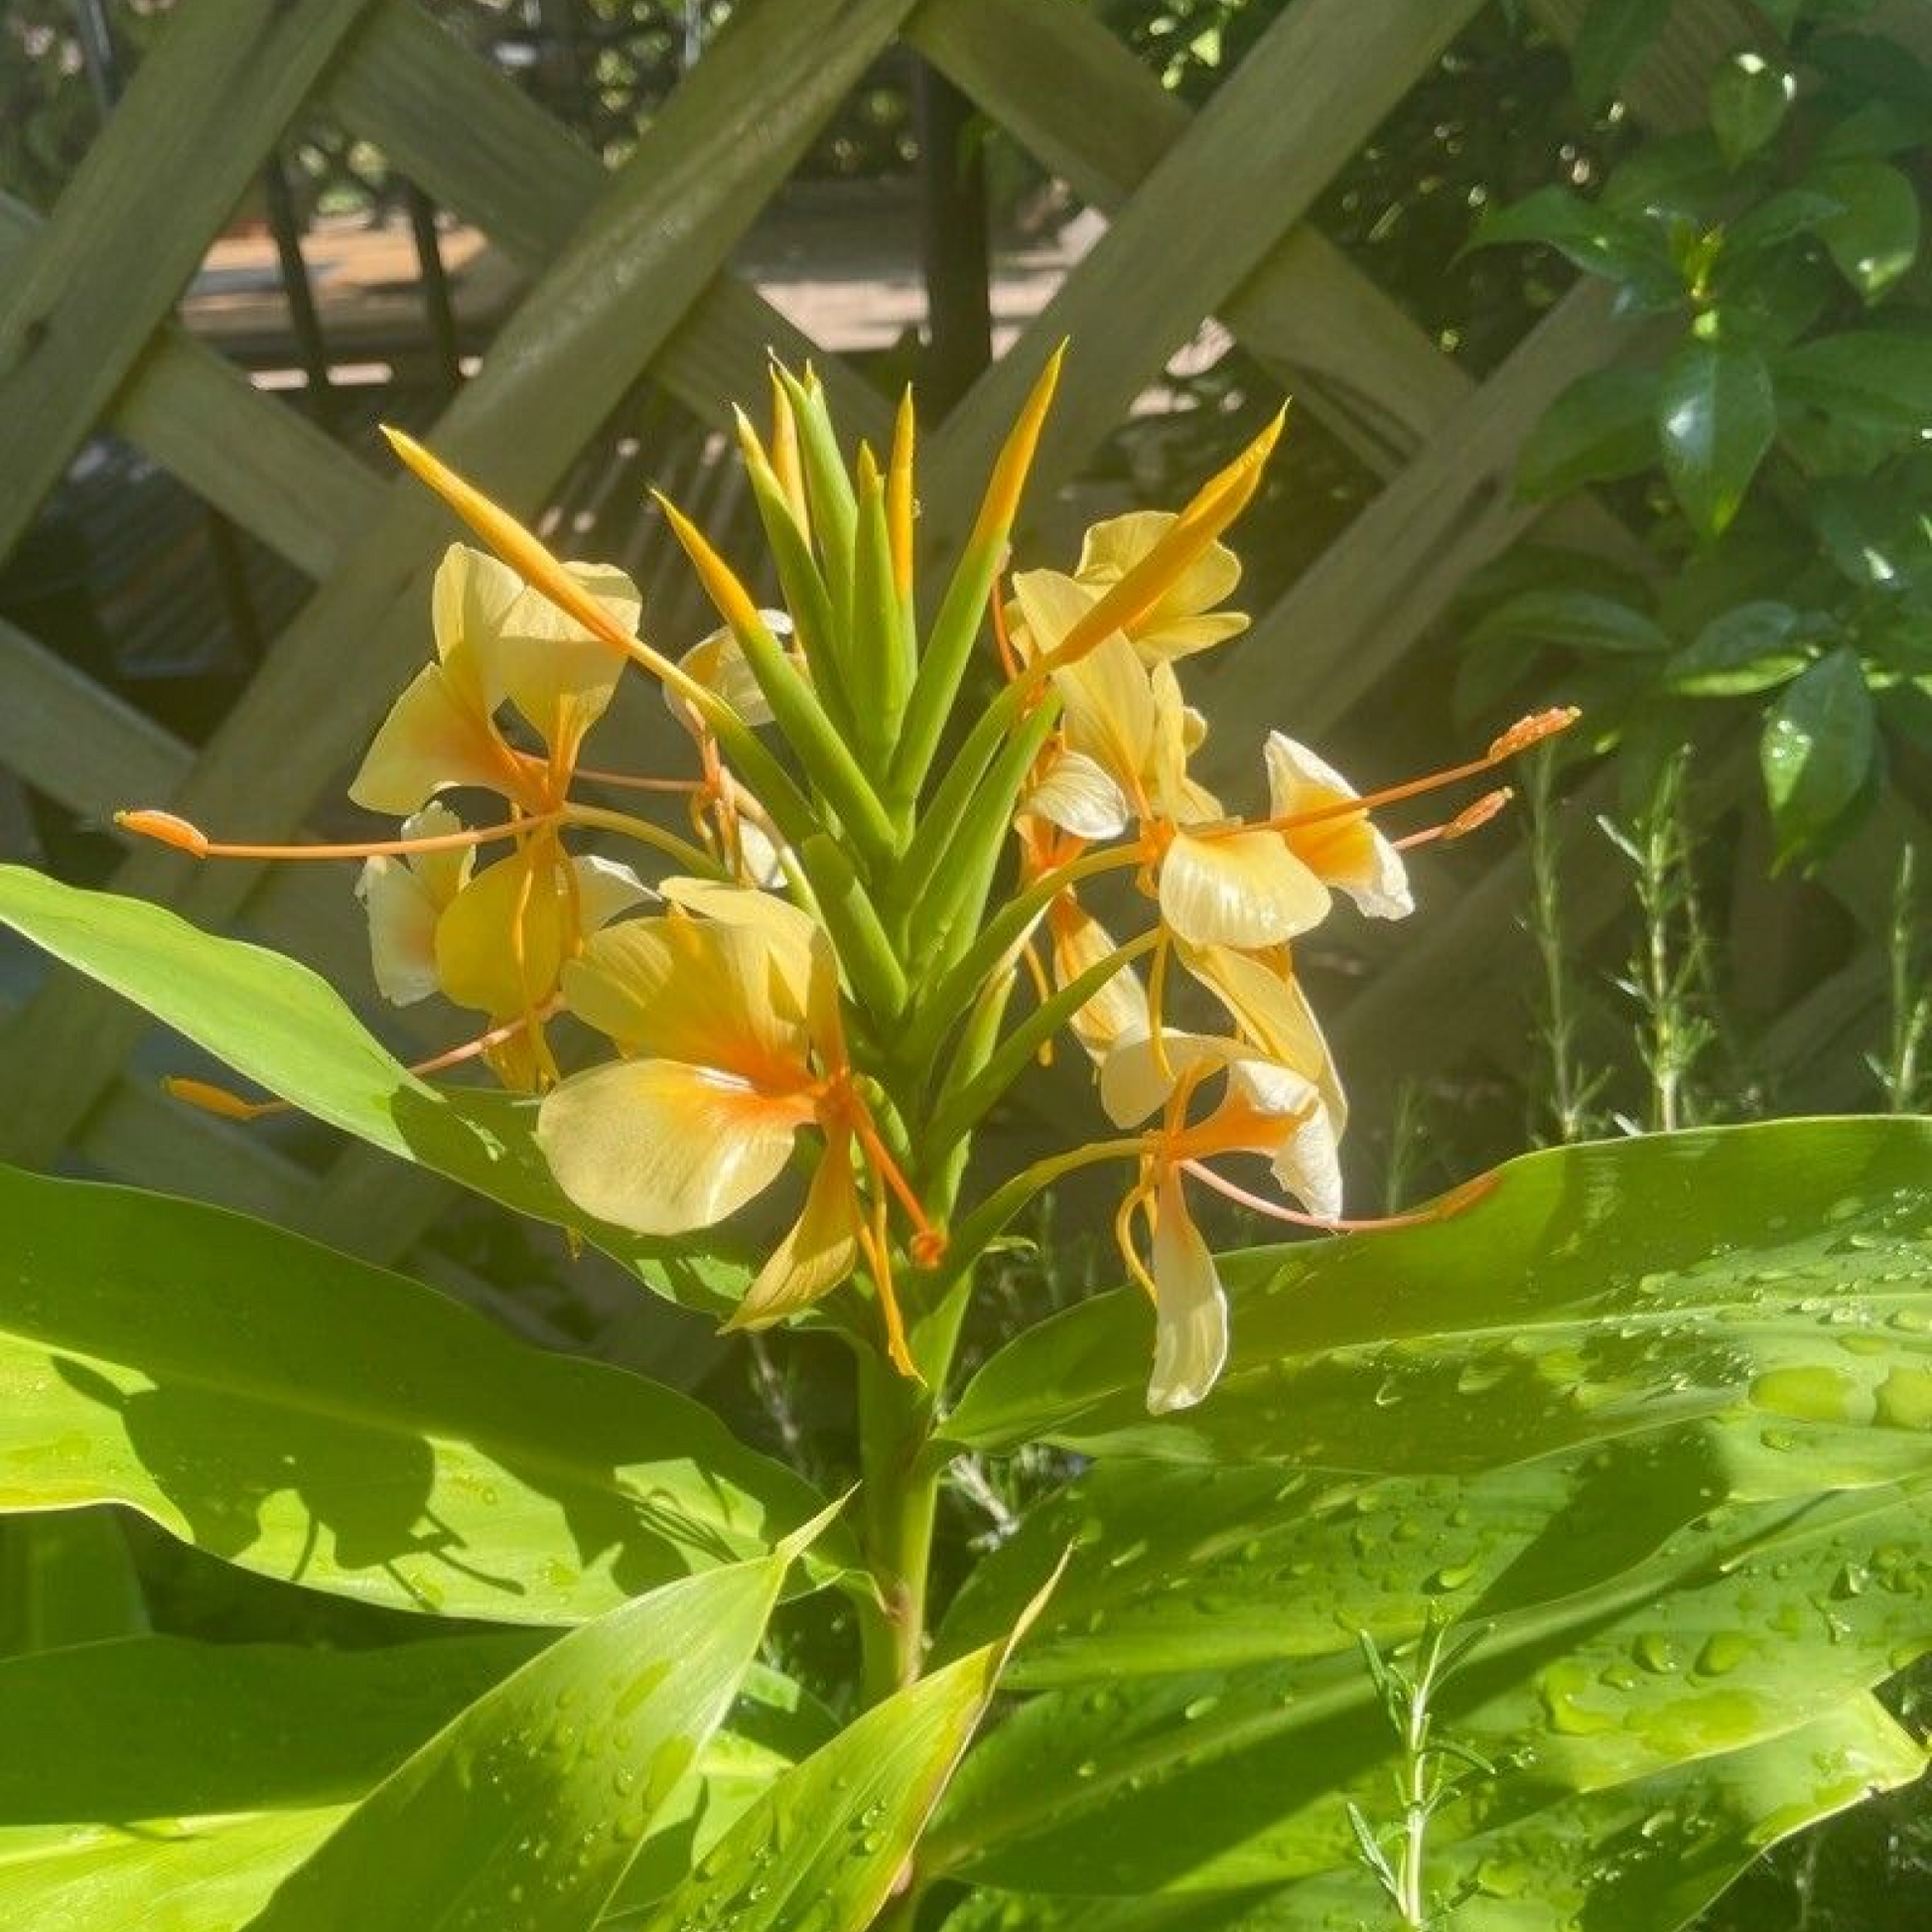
(821, 1849)
(1820, 740)
(1645, 1857)
(313, 1418)
(286, 1029)
(1878, 379)
(531, 1803)
(1716, 417)
(1750, 98)
(1599, 1292)
(1874, 237)
(1603, 427)
(1578, 619)
(1593, 238)
(66, 1577)
(1750, 647)
(169, 1784)
(1613, 35)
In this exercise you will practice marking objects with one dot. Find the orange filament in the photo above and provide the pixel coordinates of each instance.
(1469, 819)
(630, 781)
(928, 1244)
(1451, 1204)
(1518, 738)
(183, 837)
(877, 1249)
(1002, 637)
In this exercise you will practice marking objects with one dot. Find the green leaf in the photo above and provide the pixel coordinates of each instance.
(1592, 237)
(1578, 619)
(1613, 35)
(1754, 647)
(1603, 427)
(66, 1577)
(287, 1030)
(1880, 378)
(1818, 746)
(1599, 1292)
(1645, 1857)
(537, 1797)
(822, 1848)
(1715, 415)
(307, 1416)
(1779, 218)
(173, 1785)
(1749, 97)
(1874, 237)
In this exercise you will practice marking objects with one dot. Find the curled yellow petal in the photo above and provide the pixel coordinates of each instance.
(1191, 1333)
(1244, 890)
(819, 1251)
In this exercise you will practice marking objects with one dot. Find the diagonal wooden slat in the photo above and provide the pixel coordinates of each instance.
(128, 232)
(1308, 94)
(482, 146)
(659, 234)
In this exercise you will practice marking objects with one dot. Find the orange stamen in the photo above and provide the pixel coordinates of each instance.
(1452, 1203)
(1518, 738)
(927, 1241)
(183, 837)
(1469, 819)
(1002, 637)
(1138, 1197)
(630, 781)
(878, 1252)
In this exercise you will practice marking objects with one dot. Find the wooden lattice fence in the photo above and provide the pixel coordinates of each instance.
(630, 277)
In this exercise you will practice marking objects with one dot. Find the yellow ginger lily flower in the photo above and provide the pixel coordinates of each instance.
(1186, 617)
(728, 1013)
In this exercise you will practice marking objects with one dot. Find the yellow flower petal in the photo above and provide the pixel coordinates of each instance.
(1136, 1076)
(1303, 1148)
(1272, 1013)
(501, 941)
(1191, 1336)
(1078, 796)
(1246, 889)
(471, 595)
(1046, 605)
(1347, 850)
(818, 1252)
(662, 1147)
(717, 661)
(553, 668)
(700, 990)
(604, 888)
(801, 954)
(404, 898)
(1111, 712)
(1119, 1008)
(1177, 624)
(433, 737)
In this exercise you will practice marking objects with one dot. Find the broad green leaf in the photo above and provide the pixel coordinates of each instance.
(287, 1030)
(1593, 238)
(1603, 427)
(1578, 620)
(821, 1849)
(170, 1785)
(1820, 740)
(1599, 1293)
(1613, 35)
(530, 1805)
(1646, 1856)
(1716, 416)
(66, 1577)
(1778, 217)
(1875, 236)
(1879, 378)
(1754, 647)
(1749, 97)
(1192, 1774)
(319, 1420)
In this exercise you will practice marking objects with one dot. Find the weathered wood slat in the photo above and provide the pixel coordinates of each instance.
(484, 148)
(102, 276)
(1306, 94)
(660, 232)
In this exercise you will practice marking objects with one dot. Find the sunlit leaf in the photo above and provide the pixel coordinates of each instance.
(1716, 417)
(1816, 751)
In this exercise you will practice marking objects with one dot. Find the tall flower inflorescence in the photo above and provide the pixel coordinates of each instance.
(887, 824)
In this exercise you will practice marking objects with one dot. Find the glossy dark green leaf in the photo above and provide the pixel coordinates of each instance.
(1779, 218)
(285, 1028)
(1816, 751)
(1646, 1856)
(170, 1785)
(1878, 377)
(1874, 237)
(821, 1849)
(1612, 37)
(1750, 98)
(1593, 238)
(526, 1809)
(1753, 648)
(1603, 427)
(1599, 1293)
(310, 1417)
(1576, 619)
(1716, 417)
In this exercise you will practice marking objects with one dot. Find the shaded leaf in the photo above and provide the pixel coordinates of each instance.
(1613, 36)
(316, 1419)
(1875, 236)
(1817, 753)
(1754, 647)
(1578, 619)
(1716, 416)
(1878, 377)
(1603, 427)
(1750, 98)
(66, 1577)
(1592, 238)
